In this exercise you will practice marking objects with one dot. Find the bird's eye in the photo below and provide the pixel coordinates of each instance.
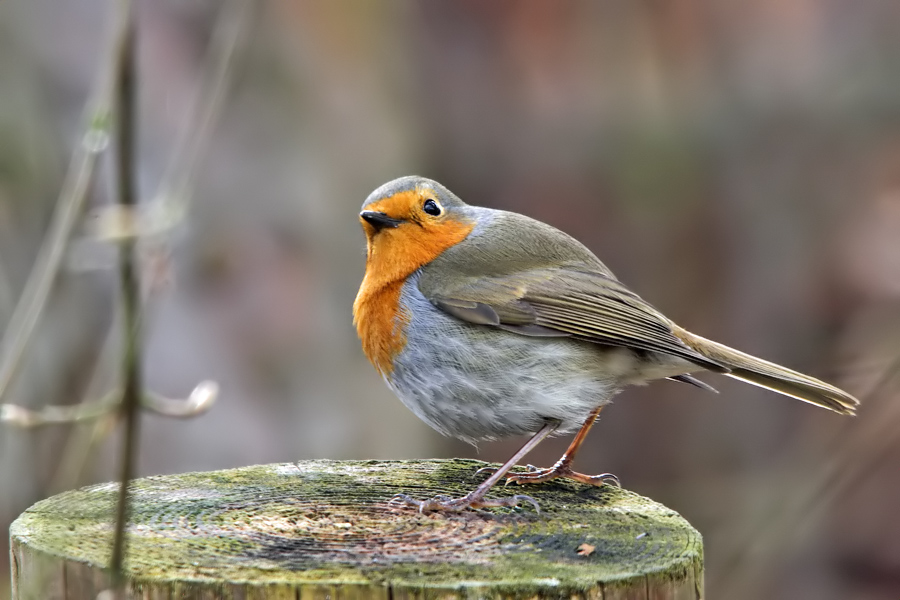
(432, 208)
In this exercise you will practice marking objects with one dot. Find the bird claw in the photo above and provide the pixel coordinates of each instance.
(482, 470)
(558, 471)
(609, 479)
(448, 504)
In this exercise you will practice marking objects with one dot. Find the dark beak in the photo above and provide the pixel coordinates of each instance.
(379, 220)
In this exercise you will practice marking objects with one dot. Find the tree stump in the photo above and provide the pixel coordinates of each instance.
(324, 529)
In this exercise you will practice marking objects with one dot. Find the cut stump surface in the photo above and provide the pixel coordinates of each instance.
(324, 529)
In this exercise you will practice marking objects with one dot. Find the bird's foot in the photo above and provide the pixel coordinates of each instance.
(561, 470)
(470, 500)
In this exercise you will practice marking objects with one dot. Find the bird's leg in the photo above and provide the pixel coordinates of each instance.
(475, 498)
(563, 468)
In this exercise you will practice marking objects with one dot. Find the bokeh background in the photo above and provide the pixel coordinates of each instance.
(735, 163)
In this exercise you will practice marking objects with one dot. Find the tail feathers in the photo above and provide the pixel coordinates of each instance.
(774, 377)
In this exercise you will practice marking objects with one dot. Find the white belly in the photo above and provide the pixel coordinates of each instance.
(477, 382)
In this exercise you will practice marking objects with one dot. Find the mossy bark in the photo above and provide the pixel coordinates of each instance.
(324, 529)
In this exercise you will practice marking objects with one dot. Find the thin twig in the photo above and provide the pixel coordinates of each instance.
(7, 300)
(25, 418)
(132, 384)
(71, 201)
(201, 400)
(228, 35)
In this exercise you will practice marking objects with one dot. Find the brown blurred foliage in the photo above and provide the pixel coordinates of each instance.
(737, 164)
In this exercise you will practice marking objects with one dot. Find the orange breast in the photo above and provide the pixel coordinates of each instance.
(392, 256)
(381, 323)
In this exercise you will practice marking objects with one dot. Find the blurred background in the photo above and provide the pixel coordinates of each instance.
(736, 164)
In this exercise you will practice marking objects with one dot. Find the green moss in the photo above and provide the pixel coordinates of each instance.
(328, 523)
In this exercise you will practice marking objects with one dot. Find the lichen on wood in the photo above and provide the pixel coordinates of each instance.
(326, 529)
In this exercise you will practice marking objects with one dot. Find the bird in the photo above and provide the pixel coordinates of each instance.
(489, 324)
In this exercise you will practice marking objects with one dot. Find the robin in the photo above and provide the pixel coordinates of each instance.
(489, 324)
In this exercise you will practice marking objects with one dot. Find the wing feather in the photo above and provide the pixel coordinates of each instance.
(589, 306)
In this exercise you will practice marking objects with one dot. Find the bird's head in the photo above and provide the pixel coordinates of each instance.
(408, 222)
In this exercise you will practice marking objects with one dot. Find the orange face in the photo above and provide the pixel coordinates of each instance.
(403, 232)
(394, 252)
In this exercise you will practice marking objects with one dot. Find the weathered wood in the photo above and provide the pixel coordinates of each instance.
(324, 529)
